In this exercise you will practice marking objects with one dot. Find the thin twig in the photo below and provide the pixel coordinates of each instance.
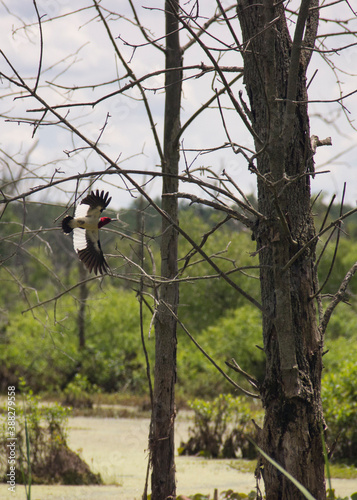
(41, 46)
(337, 298)
(148, 370)
(338, 226)
(227, 377)
(222, 77)
(316, 237)
(204, 239)
(252, 380)
(132, 75)
(217, 206)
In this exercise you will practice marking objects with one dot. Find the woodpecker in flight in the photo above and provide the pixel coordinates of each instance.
(85, 226)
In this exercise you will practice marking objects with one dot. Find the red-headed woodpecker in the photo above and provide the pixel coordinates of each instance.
(85, 226)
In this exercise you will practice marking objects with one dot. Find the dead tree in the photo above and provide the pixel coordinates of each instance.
(275, 77)
(162, 440)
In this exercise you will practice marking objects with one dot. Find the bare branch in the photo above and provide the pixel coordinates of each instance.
(320, 101)
(204, 239)
(41, 46)
(132, 75)
(316, 237)
(143, 30)
(316, 142)
(135, 82)
(231, 30)
(231, 381)
(295, 67)
(137, 187)
(73, 287)
(207, 104)
(203, 30)
(217, 206)
(252, 380)
(338, 297)
(223, 78)
(338, 227)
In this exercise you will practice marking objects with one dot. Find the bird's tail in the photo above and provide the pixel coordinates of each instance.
(66, 224)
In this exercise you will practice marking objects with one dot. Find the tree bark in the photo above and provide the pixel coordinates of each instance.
(275, 78)
(163, 484)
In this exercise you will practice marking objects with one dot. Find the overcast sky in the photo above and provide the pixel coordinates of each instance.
(77, 52)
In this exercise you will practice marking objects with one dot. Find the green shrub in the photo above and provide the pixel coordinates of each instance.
(343, 323)
(47, 459)
(339, 391)
(79, 393)
(39, 350)
(339, 397)
(235, 335)
(229, 247)
(221, 428)
(114, 358)
(345, 258)
(44, 349)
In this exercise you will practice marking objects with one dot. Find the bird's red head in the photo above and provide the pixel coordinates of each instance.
(103, 221)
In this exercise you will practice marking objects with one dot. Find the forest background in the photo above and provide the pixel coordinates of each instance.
(98, 335)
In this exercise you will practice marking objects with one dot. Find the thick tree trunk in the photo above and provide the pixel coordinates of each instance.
(162, 433)
(292, 342)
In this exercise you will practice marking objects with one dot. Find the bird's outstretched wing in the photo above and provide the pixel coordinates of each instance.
(86, 235)
(97, 200)
(87, 245)
(92, 206)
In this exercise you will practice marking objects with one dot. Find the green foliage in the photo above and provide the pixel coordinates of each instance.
(339, 391)
(332, 496)
(55, 417)
(37, 350)
(42, 454)
(44, 349)
(343, 323)
(114, 358)
(79, 392)
(252, 495)
(36, 248)
(221, 428)
(345, 258)
(196, 496)
(42, 346)
(343, 471)
(204, 301)
(339, 397)
(234, 335)
(231, 495)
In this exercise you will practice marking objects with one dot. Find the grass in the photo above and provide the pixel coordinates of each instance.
(343, 471)
(337, 470)
(243, 465)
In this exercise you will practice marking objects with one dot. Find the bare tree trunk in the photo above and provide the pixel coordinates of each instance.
(162, 430)
(275, 77)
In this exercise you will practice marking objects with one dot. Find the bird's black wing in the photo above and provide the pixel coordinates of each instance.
(97, 200)
(87, 246)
